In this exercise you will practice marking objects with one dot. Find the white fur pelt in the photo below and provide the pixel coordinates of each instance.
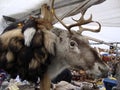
(65, 86)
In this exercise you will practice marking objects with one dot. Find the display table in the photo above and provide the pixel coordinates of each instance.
(109, 83)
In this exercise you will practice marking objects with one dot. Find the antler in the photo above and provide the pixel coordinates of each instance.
(53, 11)
(45, 22)
(80, 22)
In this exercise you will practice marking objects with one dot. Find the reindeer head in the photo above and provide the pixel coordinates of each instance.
(69, 49)
(76, 52)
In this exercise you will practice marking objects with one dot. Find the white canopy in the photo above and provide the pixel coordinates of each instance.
(107, 13)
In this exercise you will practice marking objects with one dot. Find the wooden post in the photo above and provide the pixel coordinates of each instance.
(45, 82)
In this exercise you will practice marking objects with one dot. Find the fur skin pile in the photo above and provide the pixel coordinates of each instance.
(16, 58)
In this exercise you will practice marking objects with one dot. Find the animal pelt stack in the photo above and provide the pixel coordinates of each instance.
(16, 58)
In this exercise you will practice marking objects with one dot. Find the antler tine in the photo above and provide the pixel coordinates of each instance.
(82, 21)
(53, 11)
(81, 29)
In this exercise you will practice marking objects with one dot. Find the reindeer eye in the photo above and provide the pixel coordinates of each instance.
(72, 43)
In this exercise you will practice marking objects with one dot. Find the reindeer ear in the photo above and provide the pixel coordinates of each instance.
(49, 41)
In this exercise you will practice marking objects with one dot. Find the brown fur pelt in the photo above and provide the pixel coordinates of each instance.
(17, 59)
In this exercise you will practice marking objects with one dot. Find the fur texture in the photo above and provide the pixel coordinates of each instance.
(49, 52)
(28, 35)
(17, 59)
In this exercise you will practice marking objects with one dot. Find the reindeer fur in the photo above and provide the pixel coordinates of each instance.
(50, 51)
